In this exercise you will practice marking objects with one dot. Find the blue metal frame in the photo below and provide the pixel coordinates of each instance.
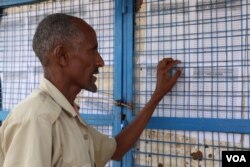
(123, 78)
(118, 63)
(173, 123)
(200, 124)
(98, 119)
(3, 114)
(118, 70)
(128, 55)
(93, 119)
(6, 3)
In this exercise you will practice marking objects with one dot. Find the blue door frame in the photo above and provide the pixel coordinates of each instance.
(123, 73)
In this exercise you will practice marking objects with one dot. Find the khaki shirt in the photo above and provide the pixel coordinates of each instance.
(45, 131)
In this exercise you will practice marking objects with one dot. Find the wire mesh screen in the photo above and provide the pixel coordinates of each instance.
(210, 37)
(20, 70)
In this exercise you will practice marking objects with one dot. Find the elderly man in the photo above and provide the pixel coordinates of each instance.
(45, 129)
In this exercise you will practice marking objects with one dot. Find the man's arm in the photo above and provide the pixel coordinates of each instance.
(128, 136)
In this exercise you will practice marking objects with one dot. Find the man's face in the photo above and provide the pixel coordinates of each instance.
(85, 61)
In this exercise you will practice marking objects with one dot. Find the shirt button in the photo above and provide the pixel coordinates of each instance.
(85, 137)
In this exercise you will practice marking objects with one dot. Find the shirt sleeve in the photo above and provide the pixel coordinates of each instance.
(104, 147)
(28, 143)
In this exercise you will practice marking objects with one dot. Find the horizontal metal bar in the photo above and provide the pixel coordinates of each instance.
(3, 114)
(98, 119)
(200, 124)
(92, 119)
(171, 123)
(5, 3)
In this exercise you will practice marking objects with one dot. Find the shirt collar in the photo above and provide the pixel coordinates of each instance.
(59, 98)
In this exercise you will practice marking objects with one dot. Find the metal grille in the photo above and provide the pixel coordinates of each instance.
(211, 39)
(20, 70)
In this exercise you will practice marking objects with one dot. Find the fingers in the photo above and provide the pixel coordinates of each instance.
(167, 59)
(165, 78)
(172, 63)
(177, 74)
(168, 63)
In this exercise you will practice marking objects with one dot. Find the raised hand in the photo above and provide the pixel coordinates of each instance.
(166, 81)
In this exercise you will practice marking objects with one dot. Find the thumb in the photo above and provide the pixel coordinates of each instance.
(176, 75)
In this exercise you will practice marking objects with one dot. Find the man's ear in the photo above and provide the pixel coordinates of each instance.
(60, 55)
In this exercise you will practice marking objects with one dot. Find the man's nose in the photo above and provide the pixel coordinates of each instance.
(99, 62)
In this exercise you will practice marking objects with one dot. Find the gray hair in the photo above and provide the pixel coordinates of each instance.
(53, 30)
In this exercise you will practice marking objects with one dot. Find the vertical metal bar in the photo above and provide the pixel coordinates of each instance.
(118, 60)
(118, 69)
(128, 50)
